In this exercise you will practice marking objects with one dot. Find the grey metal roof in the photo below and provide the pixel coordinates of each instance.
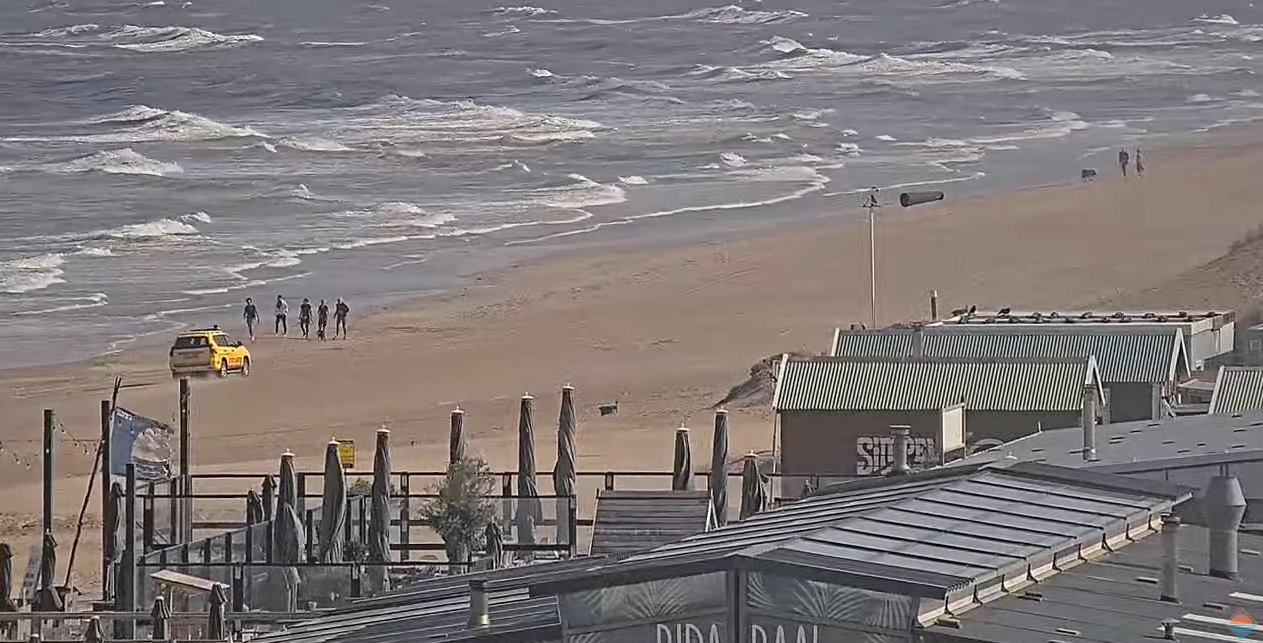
(633, 520)
(1122, 354)
(919, 384)
(1136, 442)
(926, 534)
(515, 615)
(1115, 600)
(1237, 389)
(438, 607)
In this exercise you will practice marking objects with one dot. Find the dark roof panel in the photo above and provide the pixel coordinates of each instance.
(632, 521)
(1115, 599)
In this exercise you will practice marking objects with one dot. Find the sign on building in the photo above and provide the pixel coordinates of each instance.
(874, 454)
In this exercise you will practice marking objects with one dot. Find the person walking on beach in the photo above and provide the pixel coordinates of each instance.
(1123, 159)
(322, 319)
(340, 311)
(282, 312)
(304, 318)
(251, 315)
(1140, 163)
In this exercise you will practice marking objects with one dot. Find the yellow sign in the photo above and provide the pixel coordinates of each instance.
(346, 453)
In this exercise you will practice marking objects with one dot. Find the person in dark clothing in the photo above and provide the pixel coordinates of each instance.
(251, 315)
(282, 313)
(304, 318)
(322, 319)
(1123, 159)
(340, 311)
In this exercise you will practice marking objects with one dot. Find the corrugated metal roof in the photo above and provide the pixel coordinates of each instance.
(631, 521)
(1116, 600)
(1122, 356)
(914, 384)
(1237, 389)
(924, 534)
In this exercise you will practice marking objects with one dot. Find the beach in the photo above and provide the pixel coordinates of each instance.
(664, 329)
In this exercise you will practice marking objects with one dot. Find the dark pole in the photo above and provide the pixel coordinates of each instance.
(49, 421)
(185, 479)
(107, 537)
(125, 599)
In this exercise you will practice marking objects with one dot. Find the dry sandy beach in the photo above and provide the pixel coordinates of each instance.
(663, 330)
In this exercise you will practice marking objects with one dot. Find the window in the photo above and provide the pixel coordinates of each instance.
(1255, 345)
(222, 339)
(189, 341)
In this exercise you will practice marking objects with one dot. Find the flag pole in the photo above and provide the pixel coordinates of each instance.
(99, 463)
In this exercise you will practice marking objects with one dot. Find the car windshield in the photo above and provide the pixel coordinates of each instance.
(222, 339)
(190, 341)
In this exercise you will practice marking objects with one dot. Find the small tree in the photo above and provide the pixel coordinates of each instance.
(463, 508)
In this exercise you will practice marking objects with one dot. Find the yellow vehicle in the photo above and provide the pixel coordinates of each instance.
(208, 350)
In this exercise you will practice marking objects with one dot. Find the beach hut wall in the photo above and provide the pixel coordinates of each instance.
(332, 531)
(719, 468)
(528, 504)
(565, 473)
(682, 470)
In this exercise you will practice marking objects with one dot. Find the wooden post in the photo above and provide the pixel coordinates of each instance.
(125, 599)
(184, 506)
(49, 423)
(108, 538)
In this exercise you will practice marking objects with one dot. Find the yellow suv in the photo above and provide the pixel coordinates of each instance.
(208, 350)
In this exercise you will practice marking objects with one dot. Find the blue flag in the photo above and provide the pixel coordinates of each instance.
(142, 441)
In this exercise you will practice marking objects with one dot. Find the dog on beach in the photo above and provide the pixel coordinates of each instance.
(1087, 174)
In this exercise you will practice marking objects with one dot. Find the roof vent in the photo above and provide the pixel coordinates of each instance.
(1168, 629)
(1067, 631)
(1215, 606)
(1031, 596)
(947, 621)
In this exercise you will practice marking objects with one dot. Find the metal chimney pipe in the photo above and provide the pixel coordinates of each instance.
(479, 616)
(899, 465)
(933, 305)
(1224, 506)
(1088, 420)
(1170, 558)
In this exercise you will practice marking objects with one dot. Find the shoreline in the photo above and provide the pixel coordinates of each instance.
(1171, 147)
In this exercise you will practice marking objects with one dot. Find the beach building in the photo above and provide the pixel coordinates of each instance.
(1188, 451)
(1141, 367)
(968, 553)
(1237, 389)
(834, 414)
(1209, 337)
(1250, 350)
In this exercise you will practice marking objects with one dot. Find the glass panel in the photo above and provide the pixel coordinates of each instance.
(778, 601)
(645, 604)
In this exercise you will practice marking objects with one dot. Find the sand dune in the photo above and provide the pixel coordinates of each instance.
(665, 331)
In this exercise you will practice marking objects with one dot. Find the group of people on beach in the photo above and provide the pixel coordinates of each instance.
(340, 312)
(1125, 159)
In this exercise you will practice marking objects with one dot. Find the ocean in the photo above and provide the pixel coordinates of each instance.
(161, 161)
